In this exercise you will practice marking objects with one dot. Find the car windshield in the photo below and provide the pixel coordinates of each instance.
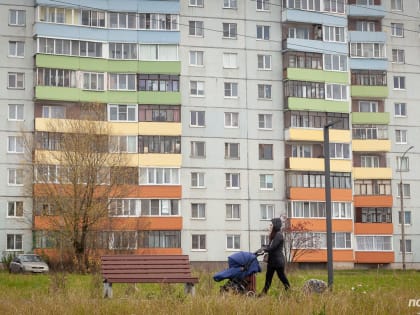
(30, 258)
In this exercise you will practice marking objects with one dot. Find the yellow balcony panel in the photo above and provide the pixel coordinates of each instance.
(157, 159)
(317, 164)
(317, 135)
(70, 125)
(372, 173)
(146, 128)
(371, 145)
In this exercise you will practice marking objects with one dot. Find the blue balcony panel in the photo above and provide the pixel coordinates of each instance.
(144, 6)
(106, 35)
(310, 17)
(368, 64)
(366, 10)
(316, 46)
(367, 37)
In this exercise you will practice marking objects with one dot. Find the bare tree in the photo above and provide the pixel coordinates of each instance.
(77, 171)
(298, 240)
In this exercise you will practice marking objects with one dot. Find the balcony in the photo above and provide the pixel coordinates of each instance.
(374, 257)
(374, 118)
(371, 11)
(372, 173)
(316, 135)
(374, 228)
(317, 164)
(311, 17)
(371, 145)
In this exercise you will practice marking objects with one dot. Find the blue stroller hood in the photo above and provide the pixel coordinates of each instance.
(241, 265)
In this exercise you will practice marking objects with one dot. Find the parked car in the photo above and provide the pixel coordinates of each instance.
(28, 263)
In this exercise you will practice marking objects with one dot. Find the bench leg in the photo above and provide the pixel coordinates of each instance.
(107, 290)
(189, 289)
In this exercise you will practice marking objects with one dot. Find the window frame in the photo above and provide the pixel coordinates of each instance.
(197, 118)
(233, 212)
(198, 180)
(18, 80)
(201, 241)
(263, 32)
(233, 181)
(14, 17)
(231, 119)
(264, 62)
(200, 211)
(230, 30)
(400, 109)
(17, 208)
(19, 112)
(234, 240)
(266, 181)
(196, 28)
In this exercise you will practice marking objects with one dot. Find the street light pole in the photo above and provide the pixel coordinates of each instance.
(328, 203)
(402, 214)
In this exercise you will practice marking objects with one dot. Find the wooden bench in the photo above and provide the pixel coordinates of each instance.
(146, 269)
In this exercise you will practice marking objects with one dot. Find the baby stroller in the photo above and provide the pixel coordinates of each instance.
(241, 273)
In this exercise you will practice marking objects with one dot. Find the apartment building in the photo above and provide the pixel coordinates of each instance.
(16, 77)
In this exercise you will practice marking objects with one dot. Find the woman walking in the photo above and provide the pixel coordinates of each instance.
(276, 260)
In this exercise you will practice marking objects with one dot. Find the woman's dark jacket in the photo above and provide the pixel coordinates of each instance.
(275, 251)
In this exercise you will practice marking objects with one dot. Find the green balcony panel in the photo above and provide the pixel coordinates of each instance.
(318, 105)
(107, 65)
(370, 118)
(315, 75)
(369, 91)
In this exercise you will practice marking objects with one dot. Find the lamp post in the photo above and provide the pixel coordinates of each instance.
(328, 202)
(402, 218)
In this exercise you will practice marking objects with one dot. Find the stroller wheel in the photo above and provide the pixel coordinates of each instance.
(250, 294)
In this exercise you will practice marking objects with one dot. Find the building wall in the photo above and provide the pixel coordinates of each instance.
(16, 223)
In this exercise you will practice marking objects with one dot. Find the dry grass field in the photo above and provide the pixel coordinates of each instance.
(362, 292)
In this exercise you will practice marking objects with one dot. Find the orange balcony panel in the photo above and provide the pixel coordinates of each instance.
(299, 193)
(45, 222)
(320, 255)
(374, 257)
(373, 201)
(320, 225)
(373, 228)
(142, 223)
(174, 192)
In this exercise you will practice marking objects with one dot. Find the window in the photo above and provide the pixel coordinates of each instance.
(266, 181)
(93, 81)
(232, 180)
(159, 207)
(196, 58)
(196, 28)
(196, 88)
(123, 144)
(265, 151)
(117, 112)
(339, 150)
(56, 77)
(263, 5)
(122, 82)
(198, 149)
(367, 50)
(407, 246)
(299, 32)
(369, 161)
(233, 242)
(397, 29)
(397, 5)
(15, 177)
(122, 207)
(335, 62)
(407, 217)
(14, 242)
(365, 26)
(123, 51)
(16, 49)
(230, 4)
(230, 60)
(196, 3)
(14, 144)
(231, 89)
(54, 15)
(265, 121)
(341, 210)
(197, 118)
(310, 5)
(374, 243)
(302, 150)
(15, 112)
(403, 164)
(158, 82)
(334, 6)
(159, 176)
(198, 242)
(264, 91)
(398, 55)
(365, 2)
(198, 210)
(232, 151)
(93, 18)
(17, 17)
(399, 83)
(229, 30)
(160, 144)
(341, 240)
(154, 21)
(233, 211)
(158, 52)
(15, 209)
(263, 32)
(368, 106)
(16, 80)
(231, 120)
(122, 20)
(400, 136)
(264, 62)
(334, 34)
(160, 113)
(197, 180)
(374, 215)
(406, 191)
(266, 211)
(400, 109)
(336, 92)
